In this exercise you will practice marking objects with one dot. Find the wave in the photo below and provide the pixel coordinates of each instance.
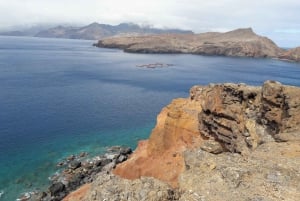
(25, 196)
(1, 193)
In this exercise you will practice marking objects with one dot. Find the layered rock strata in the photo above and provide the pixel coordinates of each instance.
(224, 142)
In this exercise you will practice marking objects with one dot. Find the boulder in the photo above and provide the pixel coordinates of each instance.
(56, 188)
(121, 159)
(125, 151)
(74, 165)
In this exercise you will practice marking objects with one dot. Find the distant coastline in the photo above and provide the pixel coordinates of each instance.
(93, 31)
(236, 43)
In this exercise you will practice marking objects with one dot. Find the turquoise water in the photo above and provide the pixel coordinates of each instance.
(62, 97)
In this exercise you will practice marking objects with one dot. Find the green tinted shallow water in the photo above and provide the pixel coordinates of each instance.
(62, 97)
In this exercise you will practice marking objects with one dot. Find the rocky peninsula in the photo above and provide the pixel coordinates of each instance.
(238, 43)
(227, 142)
(75, 171)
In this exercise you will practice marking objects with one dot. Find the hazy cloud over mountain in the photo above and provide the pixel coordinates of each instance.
(277, 19)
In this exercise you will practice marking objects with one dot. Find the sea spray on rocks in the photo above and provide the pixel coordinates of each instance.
(78, 170)
(1, 193)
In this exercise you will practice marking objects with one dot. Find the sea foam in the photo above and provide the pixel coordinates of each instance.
(1, 193)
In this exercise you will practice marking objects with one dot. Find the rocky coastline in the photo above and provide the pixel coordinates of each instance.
(223, 142)
(236, 43)
(76, 171)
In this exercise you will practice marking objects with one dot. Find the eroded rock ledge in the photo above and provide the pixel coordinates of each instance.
(224, 142)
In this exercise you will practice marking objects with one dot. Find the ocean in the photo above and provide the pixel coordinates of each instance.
(60, 97)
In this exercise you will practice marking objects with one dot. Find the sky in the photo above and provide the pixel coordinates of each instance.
(276, 19)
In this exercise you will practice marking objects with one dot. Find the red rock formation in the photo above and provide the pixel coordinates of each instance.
(234, 117)
(161, 155)
(261, 123)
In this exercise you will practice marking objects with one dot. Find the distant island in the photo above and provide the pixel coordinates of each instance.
(239, 42)
(94, 31)
(134, 38)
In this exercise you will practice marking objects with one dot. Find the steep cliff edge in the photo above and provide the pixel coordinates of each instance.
(224, 142)
(218, 118)
(161, 156)
(240, 42)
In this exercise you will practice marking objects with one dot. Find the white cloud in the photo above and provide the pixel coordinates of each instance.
(265, 16)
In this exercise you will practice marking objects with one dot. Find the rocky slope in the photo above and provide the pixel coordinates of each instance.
(224, 142)
(291, 55)
(96, 31)
(240, 42)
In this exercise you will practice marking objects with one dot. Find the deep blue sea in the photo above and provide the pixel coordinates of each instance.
(60, 97)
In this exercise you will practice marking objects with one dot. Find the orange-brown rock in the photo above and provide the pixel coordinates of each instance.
(195, 144)
(242, 117)
(220, 117)
(161, 155)
(79, 194)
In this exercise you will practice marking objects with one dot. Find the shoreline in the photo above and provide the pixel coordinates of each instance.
(238, 133)
(76, 171)
(205, 55)
(242, 42)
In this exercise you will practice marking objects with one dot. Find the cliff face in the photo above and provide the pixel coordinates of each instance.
(242, 117)
(218, 118)
(161, 155)
(240, 42)
(224, 142)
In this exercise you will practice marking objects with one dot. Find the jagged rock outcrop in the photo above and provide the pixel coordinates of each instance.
(225, 142)
(242, 117)
(240, 42)
(221, 117)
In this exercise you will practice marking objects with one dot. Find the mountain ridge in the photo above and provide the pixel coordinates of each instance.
(93, 31)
